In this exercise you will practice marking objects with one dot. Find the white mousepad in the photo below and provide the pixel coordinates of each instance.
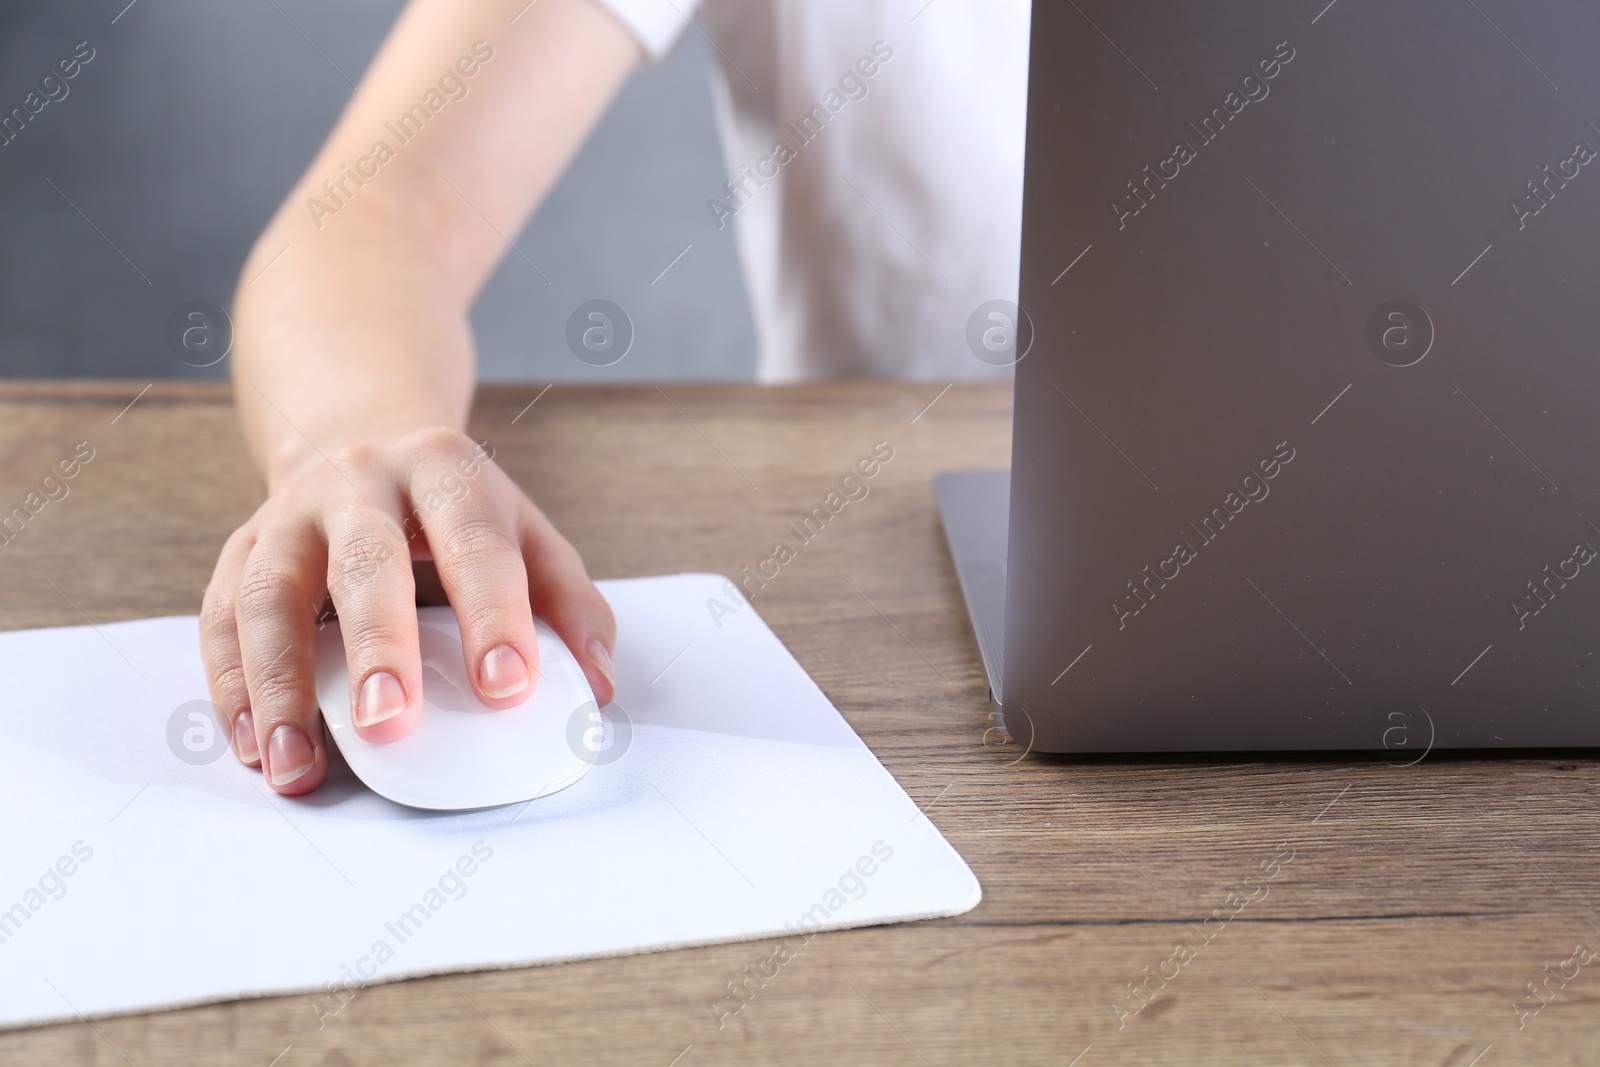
(727, 801)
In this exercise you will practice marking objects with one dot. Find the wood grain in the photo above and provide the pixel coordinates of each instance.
(1418, 902)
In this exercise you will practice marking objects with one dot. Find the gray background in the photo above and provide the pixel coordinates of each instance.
(182, 136)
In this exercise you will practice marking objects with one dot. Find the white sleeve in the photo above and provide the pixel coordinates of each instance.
(656, 24)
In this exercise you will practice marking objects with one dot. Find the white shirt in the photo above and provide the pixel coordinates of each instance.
(875, 152)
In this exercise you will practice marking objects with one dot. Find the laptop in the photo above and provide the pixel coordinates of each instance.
(1306, 445)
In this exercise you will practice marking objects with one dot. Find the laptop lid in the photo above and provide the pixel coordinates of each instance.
(1306, 447)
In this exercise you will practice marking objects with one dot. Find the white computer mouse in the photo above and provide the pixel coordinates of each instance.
(462, 753)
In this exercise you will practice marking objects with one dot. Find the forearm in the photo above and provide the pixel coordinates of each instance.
(351, 317)
(353, 334)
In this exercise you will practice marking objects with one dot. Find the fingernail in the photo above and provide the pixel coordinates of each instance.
(382, 697)
(244, 739)
(289, 755)
(602, 659)
(504, 672)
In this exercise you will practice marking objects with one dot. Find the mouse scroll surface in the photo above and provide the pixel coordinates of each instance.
(463, 754)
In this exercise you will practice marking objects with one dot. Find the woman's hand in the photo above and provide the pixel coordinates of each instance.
(348, 528)
(353, 329)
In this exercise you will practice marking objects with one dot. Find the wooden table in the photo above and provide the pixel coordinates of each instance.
(1418, 903)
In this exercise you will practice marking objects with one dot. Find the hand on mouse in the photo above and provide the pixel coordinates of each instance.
(347, 528)
(354, 370)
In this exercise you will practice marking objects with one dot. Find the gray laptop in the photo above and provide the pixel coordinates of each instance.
(1306, 447)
